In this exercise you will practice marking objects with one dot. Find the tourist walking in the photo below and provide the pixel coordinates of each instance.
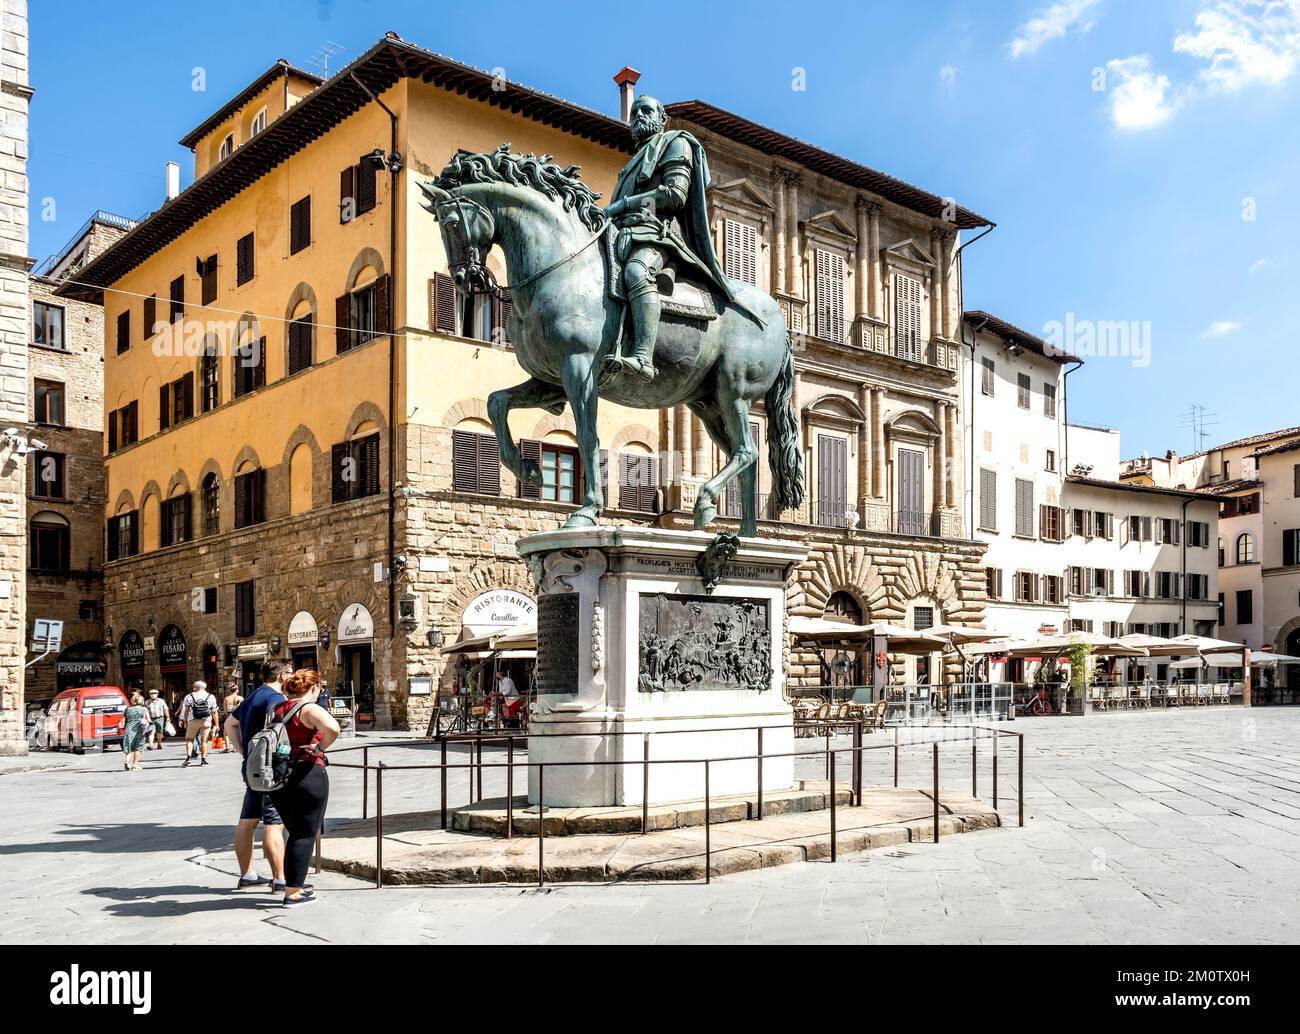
(233, 699)
(159, 713)
(197, 711)
(248, 719)
(301, 801)
(135, 730)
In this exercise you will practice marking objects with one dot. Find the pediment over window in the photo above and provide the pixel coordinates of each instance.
(834, 410)
(909, 252)
(912, 424)
(831, 222)
(742, 192)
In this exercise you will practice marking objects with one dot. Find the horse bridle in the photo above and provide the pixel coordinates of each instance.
(477, 271)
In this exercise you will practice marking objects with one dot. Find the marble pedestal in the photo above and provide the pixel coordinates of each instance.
(635, 659)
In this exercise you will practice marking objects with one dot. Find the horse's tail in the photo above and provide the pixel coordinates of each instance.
(784, 454)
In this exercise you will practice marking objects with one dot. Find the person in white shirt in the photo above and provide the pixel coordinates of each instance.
(158, 715)
(197, 712)
(506, 686)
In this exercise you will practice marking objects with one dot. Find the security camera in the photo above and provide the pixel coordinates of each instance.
(35, 443)
(11, 432)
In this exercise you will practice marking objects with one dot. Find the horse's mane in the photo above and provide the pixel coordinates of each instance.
(526, 170)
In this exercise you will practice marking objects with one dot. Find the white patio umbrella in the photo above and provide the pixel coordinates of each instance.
(1154, 645)
(1204, 644)
(1258, 659)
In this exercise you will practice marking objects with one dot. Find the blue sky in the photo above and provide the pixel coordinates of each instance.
(1138, 157)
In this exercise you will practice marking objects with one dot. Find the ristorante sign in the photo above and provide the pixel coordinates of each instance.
(499, 610)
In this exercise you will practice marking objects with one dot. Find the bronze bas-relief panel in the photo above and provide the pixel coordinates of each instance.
(703, 643)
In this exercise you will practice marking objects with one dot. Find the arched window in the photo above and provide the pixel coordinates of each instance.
(475, 458)
(354, 464)
(1245, 548)
(843, 607)
(227, 146)
(302, 338)
(250, 495)
(49, 542)
(211, 504)
(300, 479)
(258, 124)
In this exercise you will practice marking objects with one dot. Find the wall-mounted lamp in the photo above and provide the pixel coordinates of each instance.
(324, 638)
(433, 636)
(275, 644)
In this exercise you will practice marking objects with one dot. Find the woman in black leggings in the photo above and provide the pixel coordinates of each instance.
(301, 801)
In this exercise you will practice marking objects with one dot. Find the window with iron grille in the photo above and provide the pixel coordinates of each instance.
(245, 610)
(1023, 390)
(300, 225)
(922, 618)
(245, 259)
(47, 325)
(47, 403)
(47, 475)
(475, 463)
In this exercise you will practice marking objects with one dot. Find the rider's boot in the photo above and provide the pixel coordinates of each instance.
(645, 325)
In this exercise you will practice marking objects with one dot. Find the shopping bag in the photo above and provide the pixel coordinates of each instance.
(170, 729)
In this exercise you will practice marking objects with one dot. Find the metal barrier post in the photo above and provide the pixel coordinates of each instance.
(442, 808)
(365, 781)
(645, 783)
(760, 773)
(1020, 778)
(708, 827)
(478, 763)
(832, 766)
(974, 738)
(936, 791)
(857, 763)
(895, 755)
(828, 747)
(510, 787)
(379, 826)
(996, 736)
(541, 824)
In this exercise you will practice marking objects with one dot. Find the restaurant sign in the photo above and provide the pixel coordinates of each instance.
(499, 610)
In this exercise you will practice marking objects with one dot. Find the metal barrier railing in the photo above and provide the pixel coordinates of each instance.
(475, 765)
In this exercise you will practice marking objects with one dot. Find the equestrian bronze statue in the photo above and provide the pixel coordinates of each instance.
(628, 303)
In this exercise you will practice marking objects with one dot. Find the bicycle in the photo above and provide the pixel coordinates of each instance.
(1039, 704)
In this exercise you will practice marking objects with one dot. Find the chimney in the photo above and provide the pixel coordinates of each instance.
(626, 79)
(173, 180)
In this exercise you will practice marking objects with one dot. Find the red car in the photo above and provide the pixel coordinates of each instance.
(86, 716)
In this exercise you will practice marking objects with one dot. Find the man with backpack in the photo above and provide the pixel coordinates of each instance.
(197, 711)
(245, 722)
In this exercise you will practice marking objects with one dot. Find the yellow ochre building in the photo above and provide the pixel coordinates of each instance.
(298, 455)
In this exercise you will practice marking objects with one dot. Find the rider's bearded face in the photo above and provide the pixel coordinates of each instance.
(646, 122)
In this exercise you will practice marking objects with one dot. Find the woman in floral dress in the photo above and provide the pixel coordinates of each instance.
(133, 736)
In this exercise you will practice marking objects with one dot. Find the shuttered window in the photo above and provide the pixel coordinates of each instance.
(207, 270)
(124, 535)
(475, 463)
(176, 299)
(442, 303)
(740, 251)
(501, 314)
(829, 269)
(150, 316)
(832, 481)
(1049, 400)
(354, 469)
(361, 315)
(245, 610)
(123, 331)
(250, 498)
(993, 583)
(176, 402)
(245, 261)
(1051, 520)
(301, 333)
(176, 520)
(1023, 390)
(988, 499)
(1024, 508)
(987, 370)
(300, 224)
(1295, 472)
(250, 367)
(1291, 547)
(367, 174)
(907, 317)
(1053, 588)
(638, 478)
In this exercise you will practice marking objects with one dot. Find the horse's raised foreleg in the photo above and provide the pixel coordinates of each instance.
(532, 394)
(579, 376)
(728, 425)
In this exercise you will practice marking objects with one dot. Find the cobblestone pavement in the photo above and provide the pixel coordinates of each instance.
(1164, 827)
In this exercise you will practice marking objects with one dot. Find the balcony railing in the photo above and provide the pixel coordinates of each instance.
(915, 522)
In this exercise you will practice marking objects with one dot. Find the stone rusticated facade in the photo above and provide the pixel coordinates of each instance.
(14, 96)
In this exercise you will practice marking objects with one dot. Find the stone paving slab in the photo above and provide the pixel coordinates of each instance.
(422, 853)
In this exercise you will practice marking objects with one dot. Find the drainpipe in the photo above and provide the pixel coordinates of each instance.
(394, 169)
(1065, 410)
(961, 315)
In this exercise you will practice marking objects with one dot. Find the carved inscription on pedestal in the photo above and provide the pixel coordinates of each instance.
(557, 644)
(703, 643)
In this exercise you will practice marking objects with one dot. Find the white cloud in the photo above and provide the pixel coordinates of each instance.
(1139, 98)
(1244, 42)
(1049, 23)
(948, 77)
(1221, 327)
(1259, 264)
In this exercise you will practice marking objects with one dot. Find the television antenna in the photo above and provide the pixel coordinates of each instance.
(1198, 419)
(321, 58)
